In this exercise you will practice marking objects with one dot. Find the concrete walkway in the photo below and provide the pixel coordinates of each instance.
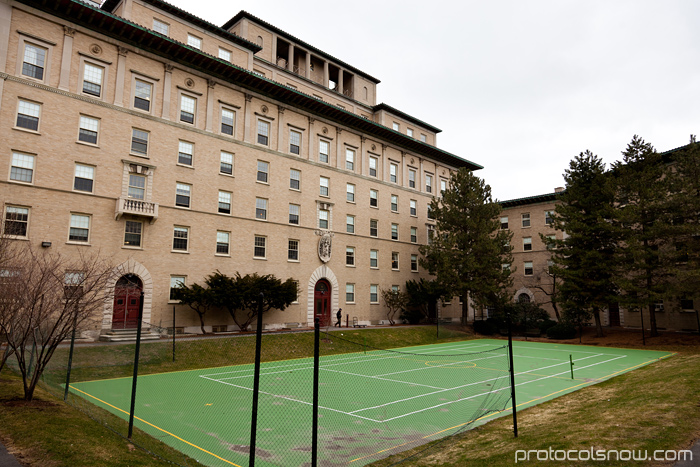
(687, 463)
(7, 459)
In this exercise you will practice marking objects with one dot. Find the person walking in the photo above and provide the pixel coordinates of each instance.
(339, 315)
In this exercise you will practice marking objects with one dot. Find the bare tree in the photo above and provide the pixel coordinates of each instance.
(547, 284)
(43, 297)
(395, 301)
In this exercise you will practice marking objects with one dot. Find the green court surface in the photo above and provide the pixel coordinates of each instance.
(371, 404)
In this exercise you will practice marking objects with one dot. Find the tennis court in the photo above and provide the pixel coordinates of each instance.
(371, 403)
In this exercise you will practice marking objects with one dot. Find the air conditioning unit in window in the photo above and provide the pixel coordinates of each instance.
(325, 206)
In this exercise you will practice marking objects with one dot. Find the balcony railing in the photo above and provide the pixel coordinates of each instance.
(136, 207)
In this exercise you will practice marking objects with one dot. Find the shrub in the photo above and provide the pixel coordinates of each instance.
(561, 331)
(546, 324)
(412, 315)
(486, 327)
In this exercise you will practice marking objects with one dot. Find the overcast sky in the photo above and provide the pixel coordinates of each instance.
(519, 87)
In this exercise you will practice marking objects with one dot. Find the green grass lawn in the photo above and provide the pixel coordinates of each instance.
(654, 407)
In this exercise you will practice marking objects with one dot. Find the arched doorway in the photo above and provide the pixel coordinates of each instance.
(127, 293)
(322, 302)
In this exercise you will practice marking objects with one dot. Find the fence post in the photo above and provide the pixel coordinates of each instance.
(512, 377)
(641, 316)
(174, 332)
(70, 362)
(314, 426)
(136, 368)
(256, 382)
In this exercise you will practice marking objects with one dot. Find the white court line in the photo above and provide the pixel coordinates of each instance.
(380, 378)
(561, 350)
(440, 366)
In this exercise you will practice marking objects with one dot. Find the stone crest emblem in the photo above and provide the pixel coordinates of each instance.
(325, 243)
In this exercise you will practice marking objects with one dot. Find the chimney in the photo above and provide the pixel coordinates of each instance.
(559, 189)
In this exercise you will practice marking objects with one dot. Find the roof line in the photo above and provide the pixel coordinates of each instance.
(405, 116)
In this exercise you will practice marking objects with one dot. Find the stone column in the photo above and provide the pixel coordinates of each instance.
(280, 128)
(385, 164)
(248, 115)
(361, 157)
(121, 71)
(339, 156)
(310, 140)
(64, 80)
(308, 65)
(340, 80)
(274, 49)
(210, 104)
(167, 83)
(290, 58)
(326, 74)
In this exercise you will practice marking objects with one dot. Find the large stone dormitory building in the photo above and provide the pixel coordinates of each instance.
(177, 148)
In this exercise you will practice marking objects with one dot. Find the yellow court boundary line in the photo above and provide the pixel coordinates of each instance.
(157, 428)
(590, 383)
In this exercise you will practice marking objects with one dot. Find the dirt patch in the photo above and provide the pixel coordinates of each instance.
(33, 404)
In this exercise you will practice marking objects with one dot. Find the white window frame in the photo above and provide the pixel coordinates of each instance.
(295, 176)
(84, 64)
(525, 220)
(350, 193)
(321, 154)
(184, 98)
(414, 234)
(527, 241)
(23, 162)
(376, 228)
(414, 263)
(374, 199)
(224, 155)
(187, 149)
(263, 125)
(395, 232)
(263, 168)
(350, 224)
(31, 109)
(395, 259)
(219, 241)
(295, 136)
(82, 171)
(180, 190)
(413, 208)
(14, 210)
(374, 258)
(373, 166)
(76, 217)
(88, 124)
(411, 178)
(290, 249)
(131, 144)
(294, 210)
(530, 267)
(159, 26)
(181, 229)
(21, 55)
(394, 204)
(222, 201)
(350, 258)
(324, 216)
(137, 78)
(428, 183)
(140, 234)
(394, 172)
(349, 293)
(324, 187)
(261, 209)
(233, 121)
(260, 241)
(225, 54)
(374, 294)
(350, 159)
(176, 282)
(194, 41)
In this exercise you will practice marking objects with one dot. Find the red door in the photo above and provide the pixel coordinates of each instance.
(127, 294)
(322, 302)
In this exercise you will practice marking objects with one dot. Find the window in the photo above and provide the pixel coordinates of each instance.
(504, 222)
(175, 283)
(527, 268)
(137, 187)
(411, 178)
(183, 194)
(263, 132)
(409, 132)
(373, 259)
(22, 169)
(224, 202)
(294, 142)
(180, 237)
(28, 115)
(323, 219)
(431, 232)
(414, 263)
(428, 183)
(92, 79)
(394, 203)
(414, 234)
(222, 243)
(84, 176)
(34, 61)
(294, 214)
(349, 293)
(394, 260)
(185, 153)
(393, 172)
(443, 185)
(350, 224)
(142, 95)
(505, 266)
(294, 179)
(260, 208)
(226, 165)
(550, 242)
(293, 250)
(549, 217)
(227, 119)
(373, 161)
(350, 192)
(373, 228)
(525, 219)
(374, 293)
(430, 212)
(139, 142)
(16, 221)
(413, 207)
(88, 129)
(394, 231)
(349, 256)
(325, 183)
(194, 41)
(260, 244)
(395, 126)
(187, 108)
(350, 159)
(323, 151)
(263, 169)
(373, 198)
(79, 228)
(423, 138)
(160, 26)
(132, 233)
(527, 244)
(224, 54)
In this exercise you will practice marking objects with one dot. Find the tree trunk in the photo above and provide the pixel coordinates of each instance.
(556, 310)
(201, 322)
(598, 324)
(652, 321)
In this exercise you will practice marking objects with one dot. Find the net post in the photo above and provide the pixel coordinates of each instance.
(256, 382)
(70, 361)
(314, 426)
(641, 317)
(174, 333)
(512, 377)
(571, 360)
(136, 367)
